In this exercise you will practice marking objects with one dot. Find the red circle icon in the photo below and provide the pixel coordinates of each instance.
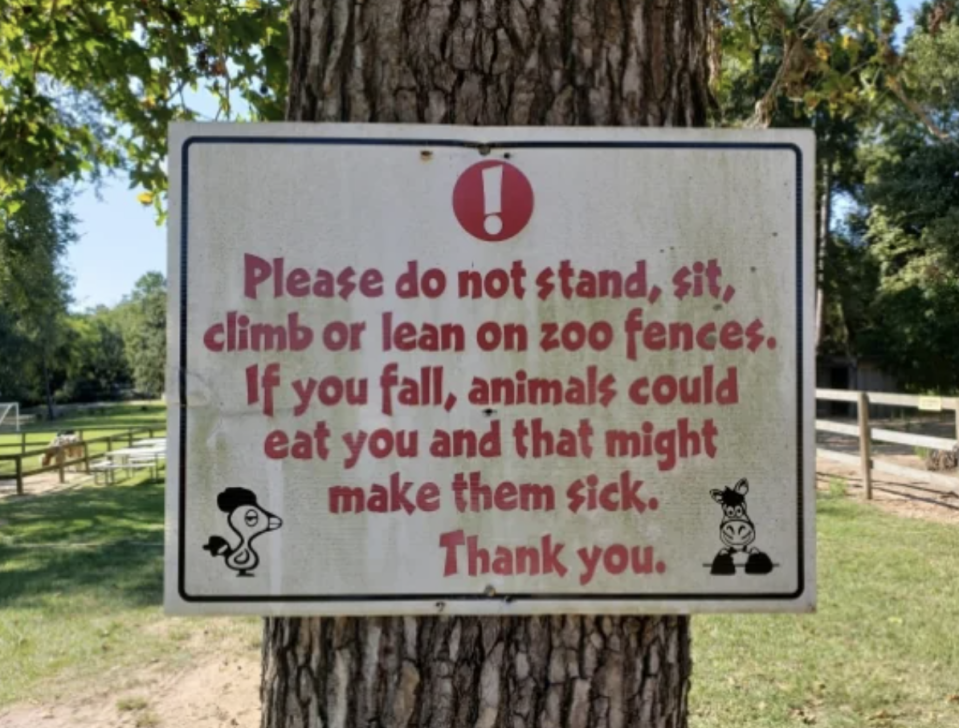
(493, 200)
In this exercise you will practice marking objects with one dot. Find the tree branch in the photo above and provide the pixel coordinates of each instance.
(41, 46)
(763, 110)
(893, 83)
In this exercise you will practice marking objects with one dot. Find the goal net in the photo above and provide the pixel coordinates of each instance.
(10, 415)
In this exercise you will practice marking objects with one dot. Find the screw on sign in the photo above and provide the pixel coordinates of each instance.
(493, 201)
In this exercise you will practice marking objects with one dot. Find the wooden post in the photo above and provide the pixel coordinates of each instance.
(865, 444)
(130, 437)
(23, 442)
(60, 469)
(86, 458)
(19, 467)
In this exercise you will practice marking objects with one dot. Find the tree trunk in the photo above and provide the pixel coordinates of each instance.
(495, 62)
(51, 414)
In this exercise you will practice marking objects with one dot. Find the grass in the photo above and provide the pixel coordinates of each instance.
(81, 579)
(882, 650)
(119, 416)
(838, 487)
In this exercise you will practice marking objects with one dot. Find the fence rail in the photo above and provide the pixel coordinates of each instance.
(886, 398)
(128, 436)
(866, 434)
(40, 439)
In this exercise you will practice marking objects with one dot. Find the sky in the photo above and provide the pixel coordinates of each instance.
(120, 240)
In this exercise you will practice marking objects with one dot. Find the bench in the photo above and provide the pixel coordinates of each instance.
(105, 468)
(146, 461)
(108, 469)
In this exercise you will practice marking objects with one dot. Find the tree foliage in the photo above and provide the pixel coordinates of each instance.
(50, 354)
(93, 84)
(96, 366)
(906, 227)
(143, 322)
(34, 288)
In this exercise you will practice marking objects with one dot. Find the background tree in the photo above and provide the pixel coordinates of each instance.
(904, 249)
(142, 319)
(632, 63)
(817, 65)
(34, 285)
(96, 364)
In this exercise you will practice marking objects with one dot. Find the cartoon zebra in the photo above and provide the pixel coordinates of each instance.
(737, 533)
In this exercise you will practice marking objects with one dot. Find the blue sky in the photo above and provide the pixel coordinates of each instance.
(120, 240)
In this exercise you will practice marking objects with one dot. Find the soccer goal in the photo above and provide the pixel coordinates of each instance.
(10, 411)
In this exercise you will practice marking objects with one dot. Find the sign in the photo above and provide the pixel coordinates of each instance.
(930, 404)
(492, 371)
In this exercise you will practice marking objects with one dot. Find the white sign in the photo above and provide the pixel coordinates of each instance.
(505, 370)
(930, 404)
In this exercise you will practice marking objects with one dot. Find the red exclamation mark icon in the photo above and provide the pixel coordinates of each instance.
(493, 200)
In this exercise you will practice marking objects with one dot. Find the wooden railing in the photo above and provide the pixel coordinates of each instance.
(865, 461)
(128, 437)
(41, 439)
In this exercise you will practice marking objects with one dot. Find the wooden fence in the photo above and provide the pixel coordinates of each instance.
(127, 437)
(23, 441)
(938, 482)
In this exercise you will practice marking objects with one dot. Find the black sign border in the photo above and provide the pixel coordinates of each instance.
(426, 143)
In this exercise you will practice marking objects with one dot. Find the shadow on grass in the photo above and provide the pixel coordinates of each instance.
(97, 543)
(835, 506)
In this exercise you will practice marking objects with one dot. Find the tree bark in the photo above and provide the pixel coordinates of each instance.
(492, 62)
(496, 62)
(516, 672)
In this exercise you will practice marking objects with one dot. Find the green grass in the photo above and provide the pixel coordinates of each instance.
(81, 577)
(119, 416)
(838, 487)
(883, 649)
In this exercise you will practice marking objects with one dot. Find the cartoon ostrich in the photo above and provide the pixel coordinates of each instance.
(248, 521)
(737, 532)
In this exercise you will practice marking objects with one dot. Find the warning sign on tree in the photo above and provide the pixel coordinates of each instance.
(457, 370)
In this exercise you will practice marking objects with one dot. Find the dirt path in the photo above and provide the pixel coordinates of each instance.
(892, 493)
(216, 693)
(43, 483)
(900, 495)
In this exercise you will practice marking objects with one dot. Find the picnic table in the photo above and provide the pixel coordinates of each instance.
(129, 459)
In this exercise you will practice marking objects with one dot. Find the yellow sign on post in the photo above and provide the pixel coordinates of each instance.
(930, 404)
